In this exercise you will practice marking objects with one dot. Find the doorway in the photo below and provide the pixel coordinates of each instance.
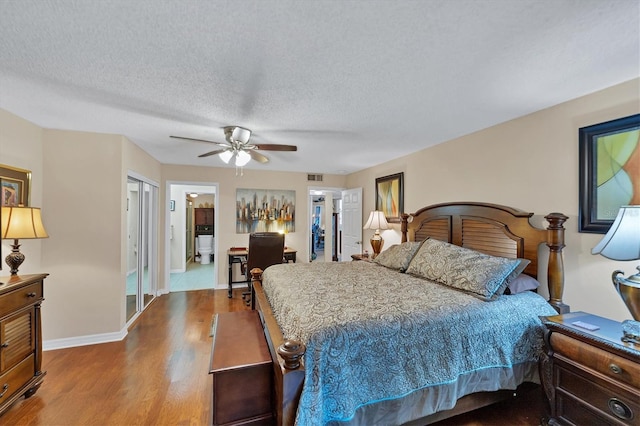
(192, 213)
(325, 224)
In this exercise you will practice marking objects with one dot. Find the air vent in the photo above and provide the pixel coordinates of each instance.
(315, 178)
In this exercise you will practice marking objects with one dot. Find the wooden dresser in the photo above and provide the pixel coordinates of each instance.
(242, 371)
(590, 376)
(20, 337)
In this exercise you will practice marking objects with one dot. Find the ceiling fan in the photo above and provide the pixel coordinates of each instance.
(238, 147)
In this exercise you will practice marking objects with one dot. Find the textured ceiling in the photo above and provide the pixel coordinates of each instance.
(351, 83)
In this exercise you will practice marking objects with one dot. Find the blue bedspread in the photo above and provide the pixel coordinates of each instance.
(375, 334)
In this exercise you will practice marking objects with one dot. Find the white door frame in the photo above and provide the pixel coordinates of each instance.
(167, 231)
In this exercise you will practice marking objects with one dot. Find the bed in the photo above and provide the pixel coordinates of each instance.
(370, 343)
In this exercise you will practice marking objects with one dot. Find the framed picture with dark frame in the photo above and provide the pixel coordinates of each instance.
(390, 196)
(609, 171)
(15, 189)
(15, 186)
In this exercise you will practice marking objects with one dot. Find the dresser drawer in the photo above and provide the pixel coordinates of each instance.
(610, 365)
(15, 378)
(599, 398)
(20, 298)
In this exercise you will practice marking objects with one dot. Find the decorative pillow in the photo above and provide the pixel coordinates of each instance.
(480, 274)
(398, 256)
(522, 283)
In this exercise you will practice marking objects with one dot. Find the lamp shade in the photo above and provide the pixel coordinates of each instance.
(622, 242)
(242, 158)
(240, 134)
(21, 223)
(226, 156)
(376, 221)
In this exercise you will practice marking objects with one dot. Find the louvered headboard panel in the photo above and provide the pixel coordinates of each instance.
(437, 228)
(491, 238)
(488, 228)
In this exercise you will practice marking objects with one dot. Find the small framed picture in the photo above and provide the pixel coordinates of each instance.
(14, 186)
(172, 205)
(390, 196)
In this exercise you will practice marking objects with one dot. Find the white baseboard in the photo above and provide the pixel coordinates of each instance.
(94, 339)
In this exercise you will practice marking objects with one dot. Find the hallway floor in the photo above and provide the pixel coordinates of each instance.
(196, 277)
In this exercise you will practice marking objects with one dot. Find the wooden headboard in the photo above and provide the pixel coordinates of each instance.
(495, 230)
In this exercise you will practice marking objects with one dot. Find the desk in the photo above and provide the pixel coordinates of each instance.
(239, 255)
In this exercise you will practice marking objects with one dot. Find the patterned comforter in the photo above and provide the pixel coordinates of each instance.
(374, 334)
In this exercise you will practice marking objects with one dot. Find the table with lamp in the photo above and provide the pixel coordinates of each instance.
(21, 297)
(591, 373)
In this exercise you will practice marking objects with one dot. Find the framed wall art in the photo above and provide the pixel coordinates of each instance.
(390, 196)
(15, 186)
(609, 171)
(265, 210)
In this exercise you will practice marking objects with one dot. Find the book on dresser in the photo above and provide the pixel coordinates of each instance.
(20, 337)
(589, 374)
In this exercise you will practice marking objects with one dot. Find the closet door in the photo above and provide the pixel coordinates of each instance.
(142, 245)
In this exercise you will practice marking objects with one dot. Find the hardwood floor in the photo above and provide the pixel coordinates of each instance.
(159, 375)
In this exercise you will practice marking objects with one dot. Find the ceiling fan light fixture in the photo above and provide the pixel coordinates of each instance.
(242, 158)
(226, 156)
(240, 134)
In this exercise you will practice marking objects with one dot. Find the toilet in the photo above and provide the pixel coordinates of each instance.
(205, 247)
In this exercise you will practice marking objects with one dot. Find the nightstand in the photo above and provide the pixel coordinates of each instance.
(366, 258)
(589, 375)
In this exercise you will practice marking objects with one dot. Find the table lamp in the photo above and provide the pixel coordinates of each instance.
(622, 242)
(19, 223)
(376, 221)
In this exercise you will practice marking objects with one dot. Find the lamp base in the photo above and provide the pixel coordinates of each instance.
(376, 244)
(629, 291)
(15, 258)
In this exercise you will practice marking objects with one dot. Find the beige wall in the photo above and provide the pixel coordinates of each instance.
(530, 163)
(81, 187)
(82, 198)
(21, 147)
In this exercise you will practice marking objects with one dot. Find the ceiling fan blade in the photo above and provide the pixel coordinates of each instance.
(276, 147)
(199, 140)
(257, 156)
(208, 154)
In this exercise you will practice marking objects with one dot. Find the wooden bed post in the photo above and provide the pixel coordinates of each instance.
(403, 227)
(555, 269)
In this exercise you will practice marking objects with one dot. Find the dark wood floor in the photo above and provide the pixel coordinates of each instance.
(158, 375)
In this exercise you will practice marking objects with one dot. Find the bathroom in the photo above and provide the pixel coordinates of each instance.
(192, 239)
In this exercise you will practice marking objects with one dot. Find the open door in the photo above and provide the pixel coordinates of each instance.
(351, 223)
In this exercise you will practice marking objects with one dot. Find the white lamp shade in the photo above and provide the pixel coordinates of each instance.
(242, 158)
(21, 223)
(241, 134)
(226, 156)
(376, 221)
(622, 242)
